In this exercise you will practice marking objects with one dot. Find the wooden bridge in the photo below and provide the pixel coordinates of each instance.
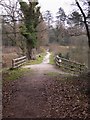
(61, 62)
(70, 65)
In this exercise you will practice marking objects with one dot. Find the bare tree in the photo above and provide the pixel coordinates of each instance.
(11, 18)
(42, 33)
(48, 18)
(86, 26)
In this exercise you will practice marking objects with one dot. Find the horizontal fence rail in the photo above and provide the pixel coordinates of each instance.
(18, 62)
(70, 65)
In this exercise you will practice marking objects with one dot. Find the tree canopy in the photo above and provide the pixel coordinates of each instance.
(32, 15)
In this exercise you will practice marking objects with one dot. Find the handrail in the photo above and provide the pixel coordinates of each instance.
(71, 65)
(17, 62)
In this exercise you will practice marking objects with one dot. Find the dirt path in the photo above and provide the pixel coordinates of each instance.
(45, 67)
(30, 94)
(27, 100)
(33, 96)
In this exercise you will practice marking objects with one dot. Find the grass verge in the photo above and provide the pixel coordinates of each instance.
(52, 59)
(14, 74)
(37, 61)
(53, 74)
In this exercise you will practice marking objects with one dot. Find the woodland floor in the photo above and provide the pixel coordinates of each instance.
(46, 92)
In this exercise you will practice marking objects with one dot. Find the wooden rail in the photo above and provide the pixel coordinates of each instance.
(18, 62)
(70, 65)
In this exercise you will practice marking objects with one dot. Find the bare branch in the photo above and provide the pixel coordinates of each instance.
(85, 22)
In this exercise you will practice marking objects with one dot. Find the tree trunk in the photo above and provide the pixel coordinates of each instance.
(29, 51)
(89, 59)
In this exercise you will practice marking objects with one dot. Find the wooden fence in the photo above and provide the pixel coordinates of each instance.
(70, 65)
(18, 62)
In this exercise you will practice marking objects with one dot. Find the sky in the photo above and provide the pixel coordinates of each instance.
(54, 5)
